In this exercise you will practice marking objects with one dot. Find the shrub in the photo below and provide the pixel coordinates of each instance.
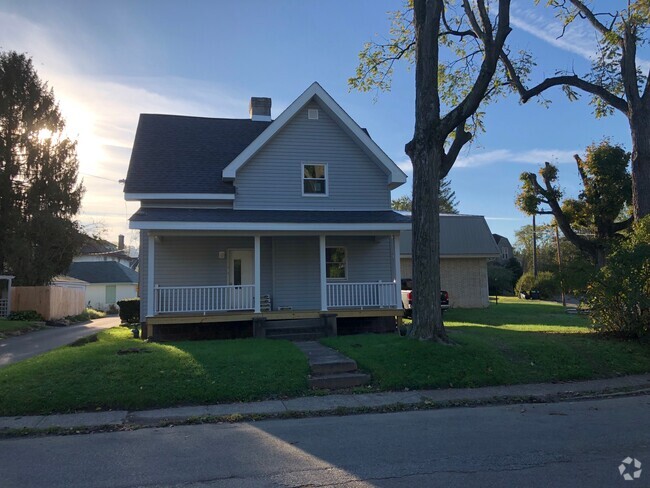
(86, 315)
(113, 309)
(26, 315)
(546, 283)
(130, 310)
(619, 295)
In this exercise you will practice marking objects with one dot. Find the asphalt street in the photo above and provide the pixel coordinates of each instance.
(18, 348)
(577, 444)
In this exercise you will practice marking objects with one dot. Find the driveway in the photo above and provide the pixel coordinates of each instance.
(25, 346)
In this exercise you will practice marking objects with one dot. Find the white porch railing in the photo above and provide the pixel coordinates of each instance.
(170, 299)
(4, 307)
(362, 295)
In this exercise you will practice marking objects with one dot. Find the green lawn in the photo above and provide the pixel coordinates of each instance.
(94, 377)
(9, 328)
(515, 341)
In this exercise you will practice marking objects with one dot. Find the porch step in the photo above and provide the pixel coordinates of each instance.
(338, 380)
(330, 369)
(295, 330)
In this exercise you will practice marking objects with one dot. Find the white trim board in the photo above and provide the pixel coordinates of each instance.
(131, 197)
(265, 226)
(396, 176)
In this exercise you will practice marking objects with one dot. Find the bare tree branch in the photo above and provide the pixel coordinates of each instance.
(462, 138)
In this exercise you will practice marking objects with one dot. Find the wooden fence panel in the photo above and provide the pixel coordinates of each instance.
(52, 302)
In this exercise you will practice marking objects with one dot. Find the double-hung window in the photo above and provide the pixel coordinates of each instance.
(314, 179)
(336, 263)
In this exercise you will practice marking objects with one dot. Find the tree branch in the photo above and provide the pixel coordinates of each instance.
(589, 15)
(619, 226)
(571, 80)
(462, 138)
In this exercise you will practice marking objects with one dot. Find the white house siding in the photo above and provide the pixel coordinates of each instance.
(96, 294)
(369, 258)
(465, 279)
(273, 178)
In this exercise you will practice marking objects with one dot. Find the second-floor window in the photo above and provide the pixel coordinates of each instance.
(504, 253)
(314, 179)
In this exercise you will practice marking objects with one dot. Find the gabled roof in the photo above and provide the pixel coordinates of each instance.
(102, 272)
(396, 176)
(498, 238)
(175, 154)
(460, 236)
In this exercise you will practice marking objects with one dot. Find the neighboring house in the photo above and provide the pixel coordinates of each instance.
(107, 282)
(505, 248)
(258, 220)
(465, 247)
(96, 250)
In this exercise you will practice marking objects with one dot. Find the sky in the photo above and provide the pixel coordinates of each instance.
(107, 62)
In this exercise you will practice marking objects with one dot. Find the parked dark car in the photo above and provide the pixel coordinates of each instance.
(407, 297)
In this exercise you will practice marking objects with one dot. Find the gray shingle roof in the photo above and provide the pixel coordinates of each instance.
(102, 272)
(460, 235)
(268, 216)
(179, 154)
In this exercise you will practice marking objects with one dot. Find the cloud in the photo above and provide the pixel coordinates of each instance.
(499, 156)
(531, 156)
(579, 38)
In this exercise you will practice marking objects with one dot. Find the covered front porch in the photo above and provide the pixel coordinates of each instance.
(221, 277)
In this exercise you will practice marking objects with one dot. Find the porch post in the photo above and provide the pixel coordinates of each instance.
(398, 271)
(150, 274)
(323, 275)
(258, 274)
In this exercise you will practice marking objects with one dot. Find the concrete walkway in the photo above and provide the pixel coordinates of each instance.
(330, 403)
(32, 344)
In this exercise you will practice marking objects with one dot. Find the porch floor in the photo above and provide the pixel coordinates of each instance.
(216, 317)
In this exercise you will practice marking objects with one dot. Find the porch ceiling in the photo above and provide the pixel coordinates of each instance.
(227, 219)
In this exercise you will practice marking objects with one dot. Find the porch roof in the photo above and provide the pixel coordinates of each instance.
(228, 219)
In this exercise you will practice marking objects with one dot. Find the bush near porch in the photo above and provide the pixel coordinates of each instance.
(516, 341)
(93, 376)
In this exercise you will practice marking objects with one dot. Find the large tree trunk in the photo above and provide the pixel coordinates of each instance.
(640, 128)
(427, 314)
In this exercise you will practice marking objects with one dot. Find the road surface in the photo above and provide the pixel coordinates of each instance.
(578, 444)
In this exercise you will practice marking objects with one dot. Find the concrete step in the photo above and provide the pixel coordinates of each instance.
(296, 335)
(338, 381)
(333, 366)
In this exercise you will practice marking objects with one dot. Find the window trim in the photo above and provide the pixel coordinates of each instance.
(302, 180)
(345, 263)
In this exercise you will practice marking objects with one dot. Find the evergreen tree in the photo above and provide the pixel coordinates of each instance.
(39, 192)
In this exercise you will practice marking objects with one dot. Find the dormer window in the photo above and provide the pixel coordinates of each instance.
(314, 179)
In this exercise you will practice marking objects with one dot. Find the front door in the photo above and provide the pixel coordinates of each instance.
(241, 272)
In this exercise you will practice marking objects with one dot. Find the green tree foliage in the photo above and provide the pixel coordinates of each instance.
(39, 193)
(614, 82)
(546, 283)
(577, 269)
(619, 295)
(448, 201)
(606, 192)
(456, 48)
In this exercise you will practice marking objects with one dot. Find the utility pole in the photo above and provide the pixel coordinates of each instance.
(534, 248)
(559, 263)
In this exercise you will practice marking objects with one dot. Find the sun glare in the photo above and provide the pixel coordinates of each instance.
(80, 126)
(44, 134)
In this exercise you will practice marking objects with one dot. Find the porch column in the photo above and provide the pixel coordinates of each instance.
(258, 274)
(151, 239)
(323, 275)
(398, 271)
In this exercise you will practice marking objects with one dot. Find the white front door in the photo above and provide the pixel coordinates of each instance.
(241, 271)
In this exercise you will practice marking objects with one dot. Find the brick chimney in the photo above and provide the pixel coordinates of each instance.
(260, 109)
(120, 242)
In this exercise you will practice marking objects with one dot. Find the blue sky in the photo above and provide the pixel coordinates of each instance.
(110, 61)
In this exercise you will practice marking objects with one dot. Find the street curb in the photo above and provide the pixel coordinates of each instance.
(313, 406)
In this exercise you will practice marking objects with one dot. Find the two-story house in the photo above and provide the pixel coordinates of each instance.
(248, 224)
